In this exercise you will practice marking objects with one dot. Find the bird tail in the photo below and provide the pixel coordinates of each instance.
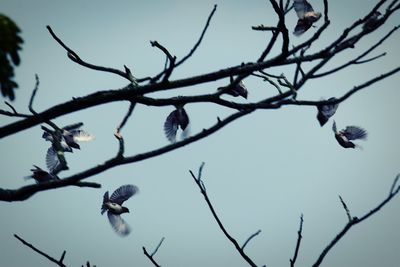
(334, 129)
(105, 200)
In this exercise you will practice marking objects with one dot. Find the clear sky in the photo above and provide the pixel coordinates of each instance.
(261, 171)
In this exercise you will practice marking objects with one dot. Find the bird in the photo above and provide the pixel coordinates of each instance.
(372, 22)
(344, 136)
(41, 176)
(306, 14)
(70, 135)
(326, 111)
(67, 138)
(177, 118)
(114, 208)
(237, 90)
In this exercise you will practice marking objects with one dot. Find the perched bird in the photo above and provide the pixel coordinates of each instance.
(350, 133)
(114, 208)
(372, 22)
(41, 176)
(306, 14)
(67, 138)
(326, 111)
(177, 118)
(238, 90)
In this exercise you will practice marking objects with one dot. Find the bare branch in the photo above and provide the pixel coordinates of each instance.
(75, 57)
(150, 256)
(250, 238)
(221, 226)
(33, 95)
(299, 237)
(345, 208)
(57, 262)
(197, 44)
(393, 192)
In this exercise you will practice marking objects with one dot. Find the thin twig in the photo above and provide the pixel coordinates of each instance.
(345, 208)
(250, 238)
(221, 226)
(33, 95)
(158, 246)
(75, 57)
(58, 262)
(150, 256)
(299, 237)
(393, 192)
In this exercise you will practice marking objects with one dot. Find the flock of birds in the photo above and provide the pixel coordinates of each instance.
(66, 139)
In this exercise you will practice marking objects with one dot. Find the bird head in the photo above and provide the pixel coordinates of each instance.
(125, 210)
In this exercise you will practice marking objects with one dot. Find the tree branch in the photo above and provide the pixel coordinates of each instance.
(202, 188)
(57, 262)
(395, 188)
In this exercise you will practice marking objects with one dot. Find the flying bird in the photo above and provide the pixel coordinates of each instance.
(326, 111)
(114, 208)
(177, 118)
(67, 138)
(41, 176)
(350, 133)
(306, 14)
(238, 90)
(69, 135)
(372, 22)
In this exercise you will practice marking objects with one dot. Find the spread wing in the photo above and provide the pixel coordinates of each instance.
(302, 7)
(52, 161)
(302, 26)
(171, 126)
(81, 136)
(123, 193)
(118, 224)
(354, 132)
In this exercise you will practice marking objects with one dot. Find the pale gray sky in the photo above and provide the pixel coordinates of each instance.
(261, 172)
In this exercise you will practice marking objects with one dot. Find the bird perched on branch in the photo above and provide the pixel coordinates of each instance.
(349, 133)
(306, 14)
(41, 176)
(326, 111)
(177, 118)
(114, 208)
(237, 90)
(63, 140)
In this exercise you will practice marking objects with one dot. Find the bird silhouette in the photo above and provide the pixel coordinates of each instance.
(237, 90)
(344, 136)
(67, 138)
(307, 16)
(114, 208)
(326, 111)
(177, 118)
(41, 176)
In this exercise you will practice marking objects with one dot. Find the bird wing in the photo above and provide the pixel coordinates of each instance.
(354, 132)
(81, 136)
(105, 199)
(52, 161)
(123, 193)
(334, 129)
(183, 118)
(301, 27)
(118, 224)
(302, 7)
(171, 126)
